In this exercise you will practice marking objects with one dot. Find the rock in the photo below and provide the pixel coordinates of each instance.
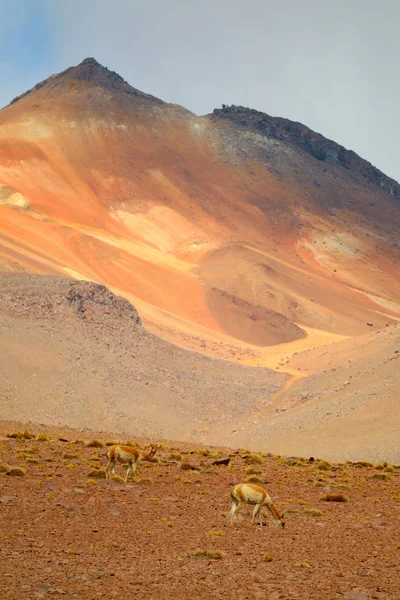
(222, 461)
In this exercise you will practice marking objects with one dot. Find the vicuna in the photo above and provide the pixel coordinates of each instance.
(132, 457)
(247, 493)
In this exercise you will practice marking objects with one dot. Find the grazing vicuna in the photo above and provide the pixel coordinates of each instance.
(132, 457)
(247, 493)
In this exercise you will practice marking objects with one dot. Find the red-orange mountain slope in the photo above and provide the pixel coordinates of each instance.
(230, 232)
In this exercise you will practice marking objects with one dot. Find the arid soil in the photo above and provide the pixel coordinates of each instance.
(66, 532)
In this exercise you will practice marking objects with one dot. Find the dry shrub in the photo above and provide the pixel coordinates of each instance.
(203, 452)
(334, 498)
(209, 554)
(186, 466)
(312, 512)
(174, 456)
(362, 463)
(380, 476)
(21, 435)
(252, 471)
(324, 465)
(32, 461)
(69, 455)
(95, 444)
(117, 479)
(267, 557)
(97, 474)
(254, 479)
(303, 565)
(78, 443)
(209, 472)
(111, 443)
(390, 468)
(254, 458)
(217, 533)
(16, 472)
(144, 481)
(4, 467)
(42, 438)
(131, 443)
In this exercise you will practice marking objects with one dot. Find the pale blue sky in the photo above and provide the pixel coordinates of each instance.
(330, 65)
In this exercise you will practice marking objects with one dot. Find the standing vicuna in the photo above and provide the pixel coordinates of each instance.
(128, 455)
(247, 493)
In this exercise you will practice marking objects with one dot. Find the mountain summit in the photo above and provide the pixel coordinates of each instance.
(93, 73)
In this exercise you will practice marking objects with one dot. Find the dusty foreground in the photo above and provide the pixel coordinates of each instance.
(68, 533)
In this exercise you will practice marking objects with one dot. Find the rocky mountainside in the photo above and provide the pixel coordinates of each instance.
(311, 142)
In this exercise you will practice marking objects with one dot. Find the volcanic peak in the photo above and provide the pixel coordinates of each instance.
(93, 73)
(311, 142)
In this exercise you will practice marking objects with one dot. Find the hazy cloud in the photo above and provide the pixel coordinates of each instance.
(331, 65)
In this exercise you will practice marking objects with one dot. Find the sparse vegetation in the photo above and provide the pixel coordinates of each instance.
(267, 558)
(209, 554)
(312, 512)
(95, 444)
(323, 465)
(144, 481)
(254, 479)
(16, 472)
(97, 474)
(186, 466)
(20, 435)
(380, 476)
(334, 498)
(174, 456)
(42, 438)
(252, 471)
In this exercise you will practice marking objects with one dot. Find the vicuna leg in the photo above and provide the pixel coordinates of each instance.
(236, 505)
(256, 513)
(110, 466)
(128, 468)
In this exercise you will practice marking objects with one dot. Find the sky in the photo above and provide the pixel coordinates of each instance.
(332, 65)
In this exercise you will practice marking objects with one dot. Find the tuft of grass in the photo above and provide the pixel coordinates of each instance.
(312, 512)
(144, 481)
(79, 443)
(174, 456)
(267, 557)
(16, 472)
(32, 461)
(69, 455)
(324, 465)
(252, 471)
(20, 435)
(117, 479)
(42, 438)
(217, 533)
(209, 554)
(363, 463)
(334, 498)
(111, 443)
(91, 482)
(95, 444)
(131, 443)
(303, 565)
(4, 467)
(390, 468)
(254, 457)
(380, 476)
(97, 474)
(254, 479)
(186, 466)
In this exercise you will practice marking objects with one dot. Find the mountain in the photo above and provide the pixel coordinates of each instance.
(236, 234)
